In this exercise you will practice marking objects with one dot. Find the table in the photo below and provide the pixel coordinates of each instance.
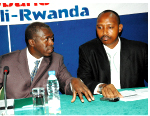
(97, 107)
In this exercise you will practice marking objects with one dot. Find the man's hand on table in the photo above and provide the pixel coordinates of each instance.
(109, 91)
(80, 88)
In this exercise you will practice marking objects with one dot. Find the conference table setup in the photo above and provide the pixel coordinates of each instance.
(135, 102)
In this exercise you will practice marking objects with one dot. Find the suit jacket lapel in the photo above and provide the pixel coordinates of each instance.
(124, 61)
(45, 63)
(105, 62)
(23, 67)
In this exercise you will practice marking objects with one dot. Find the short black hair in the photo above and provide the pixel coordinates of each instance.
(32, 29)
(117, 15)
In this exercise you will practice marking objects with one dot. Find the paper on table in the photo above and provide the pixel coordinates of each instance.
(10, 102)
(137, 94)
(9, 112)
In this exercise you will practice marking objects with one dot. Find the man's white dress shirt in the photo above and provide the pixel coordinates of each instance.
(114, 60)
(31, 60)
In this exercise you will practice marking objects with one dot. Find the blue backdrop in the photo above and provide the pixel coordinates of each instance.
(69, 35)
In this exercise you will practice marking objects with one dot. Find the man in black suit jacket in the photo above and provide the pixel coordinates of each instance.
(101, 70)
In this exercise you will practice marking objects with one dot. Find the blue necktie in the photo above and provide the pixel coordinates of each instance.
(33, 73)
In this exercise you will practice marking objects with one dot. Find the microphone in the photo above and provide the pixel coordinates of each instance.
(6, 70)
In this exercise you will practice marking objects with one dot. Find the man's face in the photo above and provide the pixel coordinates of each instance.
(43, 43)
(108, 29)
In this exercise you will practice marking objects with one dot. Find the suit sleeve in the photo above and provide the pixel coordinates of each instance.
(1, 73)
(64, 77)
(85, 72)
(146, 64)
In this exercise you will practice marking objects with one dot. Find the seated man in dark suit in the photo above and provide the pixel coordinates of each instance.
(110, 62)
(39, 39)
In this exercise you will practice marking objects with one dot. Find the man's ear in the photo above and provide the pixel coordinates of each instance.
(120, 27)
(31, 42)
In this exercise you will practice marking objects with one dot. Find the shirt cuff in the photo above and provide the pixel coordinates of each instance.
(71, 87)
(97, 88)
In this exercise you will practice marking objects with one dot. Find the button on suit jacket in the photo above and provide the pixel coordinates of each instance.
(94, 65)
(18, 83)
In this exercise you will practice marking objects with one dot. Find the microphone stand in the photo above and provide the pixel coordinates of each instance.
(5, 92)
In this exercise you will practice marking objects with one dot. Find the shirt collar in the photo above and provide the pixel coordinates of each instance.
(32, 58)
(114, 50)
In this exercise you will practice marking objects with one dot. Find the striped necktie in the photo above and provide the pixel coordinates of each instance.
(33, 73)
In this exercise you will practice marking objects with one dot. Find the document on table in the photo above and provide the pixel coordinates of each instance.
(137, 94)
(10, 106)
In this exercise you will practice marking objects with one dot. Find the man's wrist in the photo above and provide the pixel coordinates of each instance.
(101, 87)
